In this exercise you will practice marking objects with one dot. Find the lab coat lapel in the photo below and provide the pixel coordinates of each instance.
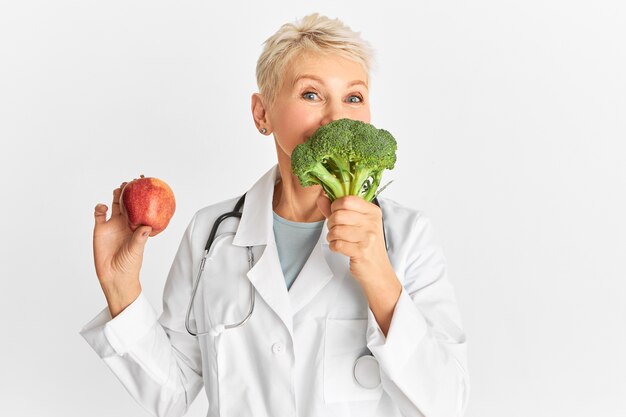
(256, 229)
(267, 277)
(322, 266)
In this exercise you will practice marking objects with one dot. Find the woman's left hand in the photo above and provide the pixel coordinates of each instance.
(355, 229)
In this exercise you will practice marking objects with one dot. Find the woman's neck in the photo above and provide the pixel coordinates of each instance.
(293, 202)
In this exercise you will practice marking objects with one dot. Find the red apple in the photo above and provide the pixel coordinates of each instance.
(147, 202)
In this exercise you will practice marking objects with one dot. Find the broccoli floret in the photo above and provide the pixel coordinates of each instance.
(345, 157)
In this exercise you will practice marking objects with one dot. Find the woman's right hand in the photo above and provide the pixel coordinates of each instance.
(118, 255)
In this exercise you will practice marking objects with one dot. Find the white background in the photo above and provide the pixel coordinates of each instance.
(510, 120)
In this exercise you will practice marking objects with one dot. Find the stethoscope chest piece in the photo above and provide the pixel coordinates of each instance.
(367, 372)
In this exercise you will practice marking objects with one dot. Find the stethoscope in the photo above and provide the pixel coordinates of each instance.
(219, 328)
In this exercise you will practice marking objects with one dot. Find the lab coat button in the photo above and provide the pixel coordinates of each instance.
(367, 372)
(278, 348)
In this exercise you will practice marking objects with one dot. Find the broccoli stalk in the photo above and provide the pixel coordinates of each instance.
(345, 157)
(332, 186)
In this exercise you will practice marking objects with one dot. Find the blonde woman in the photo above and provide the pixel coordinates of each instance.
(303, 308)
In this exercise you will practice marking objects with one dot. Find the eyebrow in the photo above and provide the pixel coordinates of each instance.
(313, 77)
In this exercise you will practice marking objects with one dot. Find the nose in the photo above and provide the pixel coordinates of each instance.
(332, 112)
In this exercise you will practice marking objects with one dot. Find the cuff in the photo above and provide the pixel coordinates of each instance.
(130, 325)
(93, 333)
(406, 330)
(109, 336)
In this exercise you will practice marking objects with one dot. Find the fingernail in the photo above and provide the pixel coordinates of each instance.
(144, 234)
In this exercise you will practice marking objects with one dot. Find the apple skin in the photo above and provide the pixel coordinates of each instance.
(147, 201)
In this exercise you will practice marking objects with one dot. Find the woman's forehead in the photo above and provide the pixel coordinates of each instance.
(323, 67)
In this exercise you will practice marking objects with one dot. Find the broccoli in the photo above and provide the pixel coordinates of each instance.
(345, 157)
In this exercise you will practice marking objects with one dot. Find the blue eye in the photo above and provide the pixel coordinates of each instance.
(309, 93)
(358, 101)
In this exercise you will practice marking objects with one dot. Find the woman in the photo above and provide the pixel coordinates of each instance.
(341, 326)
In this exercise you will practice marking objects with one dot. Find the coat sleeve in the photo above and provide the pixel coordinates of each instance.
(156, 360)
(423, 359)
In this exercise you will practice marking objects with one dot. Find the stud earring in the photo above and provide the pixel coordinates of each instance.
(264, 130)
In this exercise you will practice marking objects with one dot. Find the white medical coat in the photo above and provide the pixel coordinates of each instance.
(296, 354)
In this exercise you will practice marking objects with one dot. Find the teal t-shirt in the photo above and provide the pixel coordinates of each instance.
(295, 242)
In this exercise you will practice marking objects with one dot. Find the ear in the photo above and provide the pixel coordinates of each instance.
(260, 113)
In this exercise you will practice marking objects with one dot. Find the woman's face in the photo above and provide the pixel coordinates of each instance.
(316, 90)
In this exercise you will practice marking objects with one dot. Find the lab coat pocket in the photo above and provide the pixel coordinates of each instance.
(344, 344)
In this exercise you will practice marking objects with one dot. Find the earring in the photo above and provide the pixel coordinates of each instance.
(263, 130)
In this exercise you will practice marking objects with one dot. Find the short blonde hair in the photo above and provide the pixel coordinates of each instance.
(313, 33)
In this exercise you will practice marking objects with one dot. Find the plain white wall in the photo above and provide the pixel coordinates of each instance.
(510, 119)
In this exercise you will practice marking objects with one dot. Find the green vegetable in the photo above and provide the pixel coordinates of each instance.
(345, 157)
